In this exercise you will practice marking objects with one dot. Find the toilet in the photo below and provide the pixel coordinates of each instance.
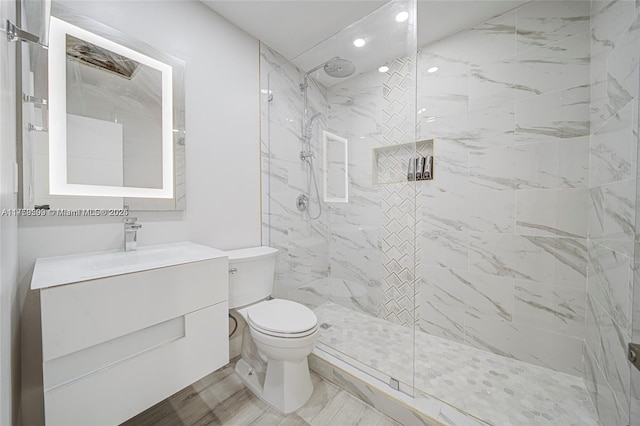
(279, 336)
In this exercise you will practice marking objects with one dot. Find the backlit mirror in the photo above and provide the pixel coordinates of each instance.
(115, 129)
(101, 93)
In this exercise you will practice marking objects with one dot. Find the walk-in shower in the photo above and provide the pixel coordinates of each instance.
(502, 291)
(338, 68)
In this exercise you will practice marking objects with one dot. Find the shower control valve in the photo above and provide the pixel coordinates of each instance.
(306, 154)
(302, 202)
(634, 351)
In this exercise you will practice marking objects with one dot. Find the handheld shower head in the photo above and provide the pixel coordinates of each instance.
(314, 118)
(309, 129)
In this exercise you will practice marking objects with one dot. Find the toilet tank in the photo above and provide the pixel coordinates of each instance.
(251, 273)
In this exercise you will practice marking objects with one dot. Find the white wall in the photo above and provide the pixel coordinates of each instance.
(223, 180)
(9, 306)
(222, 161)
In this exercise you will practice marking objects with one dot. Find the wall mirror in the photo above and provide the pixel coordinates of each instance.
(115, 123)
(336, 168)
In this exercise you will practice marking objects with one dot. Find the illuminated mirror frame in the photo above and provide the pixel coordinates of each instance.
(58, 183)
(328, 137)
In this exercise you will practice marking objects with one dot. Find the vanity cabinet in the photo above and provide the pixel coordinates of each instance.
(115, 345)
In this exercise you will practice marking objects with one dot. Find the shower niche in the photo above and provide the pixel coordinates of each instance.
(401, 163)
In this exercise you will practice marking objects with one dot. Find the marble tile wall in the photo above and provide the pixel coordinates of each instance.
(527, 232)
(353, 255)
(504, 229)
(612, 213)
(355, 228)
(302, 267)
(374, 235)
(360, 254)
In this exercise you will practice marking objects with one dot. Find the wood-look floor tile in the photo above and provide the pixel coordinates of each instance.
(259, 412)
(350, 413)
(386, 421)
(271, 417)
(323, 392)
(159, 413)
(218, 392)
(222, 399)
(239, 407)
(214, 378)
(162, 413)
(194, 410)
(372, 417)
(329, 411)
(208, 419)
(293, 419)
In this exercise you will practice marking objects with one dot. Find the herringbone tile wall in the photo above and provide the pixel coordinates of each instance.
(400, 251)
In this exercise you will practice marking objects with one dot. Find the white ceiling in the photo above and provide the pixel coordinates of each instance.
(294, 27)
(440, 19)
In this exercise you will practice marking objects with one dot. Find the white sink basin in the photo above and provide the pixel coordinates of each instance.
(59, 270)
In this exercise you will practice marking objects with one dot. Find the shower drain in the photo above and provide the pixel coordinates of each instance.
(325, 326)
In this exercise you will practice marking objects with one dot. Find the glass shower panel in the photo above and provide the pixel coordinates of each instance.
(613, 291)
(348, 252)
(507, 263)
(632, 392)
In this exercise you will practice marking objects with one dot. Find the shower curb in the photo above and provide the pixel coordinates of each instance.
(421, 409)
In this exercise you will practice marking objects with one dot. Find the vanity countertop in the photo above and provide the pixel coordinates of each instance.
(59, 270)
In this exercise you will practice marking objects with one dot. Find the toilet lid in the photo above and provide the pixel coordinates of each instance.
(282, 316)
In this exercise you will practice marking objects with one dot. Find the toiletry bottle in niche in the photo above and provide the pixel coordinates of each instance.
(419, 167)
(427, 174)
(411, 169)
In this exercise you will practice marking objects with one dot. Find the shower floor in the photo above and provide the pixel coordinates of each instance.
(495, 389)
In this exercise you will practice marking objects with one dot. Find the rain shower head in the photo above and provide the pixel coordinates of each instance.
(339, 68)
(335, 67)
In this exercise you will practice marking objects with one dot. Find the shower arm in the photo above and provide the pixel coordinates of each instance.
(316, 69)
(303, 87)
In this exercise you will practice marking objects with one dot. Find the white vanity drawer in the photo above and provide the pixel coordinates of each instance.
(114, 394)
(81, 315)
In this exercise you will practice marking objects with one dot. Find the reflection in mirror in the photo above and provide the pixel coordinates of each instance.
(112, 98)
(110, 113)
(336, 168)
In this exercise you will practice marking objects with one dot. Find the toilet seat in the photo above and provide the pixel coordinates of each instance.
(284, 335)
(282, 318)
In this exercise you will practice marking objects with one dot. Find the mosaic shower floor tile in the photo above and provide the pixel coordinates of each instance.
(498, 390)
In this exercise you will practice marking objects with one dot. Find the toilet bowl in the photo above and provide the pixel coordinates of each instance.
(282, 332)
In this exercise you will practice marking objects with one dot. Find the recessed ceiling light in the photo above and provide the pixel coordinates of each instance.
(359, 42)
(402, 16)
(432, 69)
(383, 68)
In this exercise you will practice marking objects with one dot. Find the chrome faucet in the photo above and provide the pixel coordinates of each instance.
(131, 233)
